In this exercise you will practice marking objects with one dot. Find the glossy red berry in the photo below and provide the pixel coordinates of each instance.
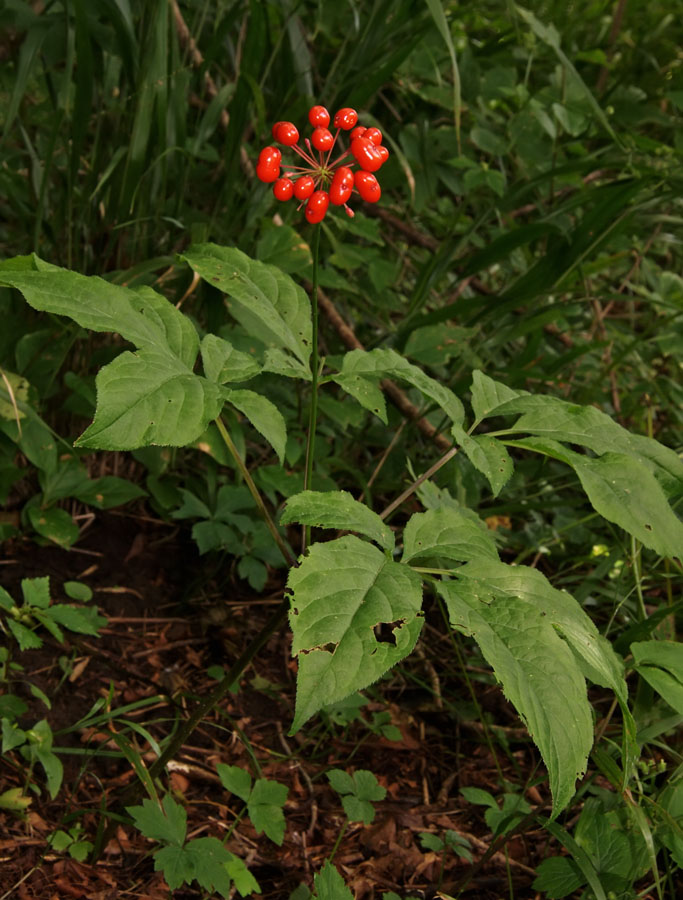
(374, 135)
(384, 154)
(304, 187)
(342, 186)
(322, 138)
(367, 186)
(317, 207)
(358, 131)
(286, 133)
(283, 189)
(270, 156)
(367, 154)
(318, 116)
(345, 118)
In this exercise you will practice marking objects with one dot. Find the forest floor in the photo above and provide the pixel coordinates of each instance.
(170, 622)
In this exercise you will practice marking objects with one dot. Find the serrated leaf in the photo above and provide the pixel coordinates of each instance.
(210, 858)
(177, 865)
(340, 781)
(341, 591)
(625, 492)
(235, 780)
(445, 532)
(223, 363)
(265, 301)
(550, 417)
(36, 592)
(329, 885)
(263, 415)
(558, 876)
(388, 363)
(538, 673)
(150, 398)
(145, 318)
(365, 391)
(168, 824)
(488, 455)
(488, 395)
(27, 639)
(338, 510)
(82, 621)
(265, 809)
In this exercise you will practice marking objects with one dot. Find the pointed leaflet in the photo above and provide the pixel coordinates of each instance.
(539, 676)
(263, 415)
(144, 317)
(361, 365)
(150, 398)
(446, 533)
(223, 363)
(623, 490)
(337, 509)
(340, 592)
(265, 301)
(488, 395)
(488, 455)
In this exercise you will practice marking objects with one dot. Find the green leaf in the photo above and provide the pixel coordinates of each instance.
(210, 859)
(150, 398)
(265, 301)
(244, 880)
(539, 675)
(36, 592)
(488, 395)
(341, 781)
(661, 664)
(13, 393)
(358, 792)
(375, 364)
(235, 780)
(177, 865)
(6, 601)
(223, 363)
(54, 771)
(341, 592)
(329, 885)
(26, 638)
(671, 800)
(488, 455)
(54, 524)
(446, 533)
(263, 415)
(108, 492)
(365, 391)
(265, 809)
(78, 591)
(145, 318)
(625, 492)
(338, 510)
(15, 800)
(558, 876)
(168, 825)
(12, 736)
(82, 621)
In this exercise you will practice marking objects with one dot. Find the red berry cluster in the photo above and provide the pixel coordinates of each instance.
(322, 181)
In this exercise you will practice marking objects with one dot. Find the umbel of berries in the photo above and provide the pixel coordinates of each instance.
(327, 171)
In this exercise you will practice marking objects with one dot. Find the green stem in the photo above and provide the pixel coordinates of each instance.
(342, 832)
(255, 493)
(313, 410)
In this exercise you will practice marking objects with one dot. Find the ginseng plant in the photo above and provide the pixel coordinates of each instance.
(541, 644)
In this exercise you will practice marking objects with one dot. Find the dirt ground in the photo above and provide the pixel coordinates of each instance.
(172, 616)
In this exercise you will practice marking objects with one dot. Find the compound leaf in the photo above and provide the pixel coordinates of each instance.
(265, 809)
(168, 825)
(263, 415)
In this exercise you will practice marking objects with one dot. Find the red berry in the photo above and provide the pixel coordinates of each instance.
(270, 156)
(367, 186)
(384, 153)
(303, 187)
(318, 116)
(267, 172)
(345, 118)
(358, 131)
(322, 138)
(374, 135)
(317, 207)
(283, 189)
(367, 154)
(286, 133)
(342, 185)
(274, 129)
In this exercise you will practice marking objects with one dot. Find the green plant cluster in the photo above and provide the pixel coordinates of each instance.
(517, 296)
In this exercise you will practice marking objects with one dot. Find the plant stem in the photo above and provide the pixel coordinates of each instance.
(255, 493)
(416, 484)
(313, 409)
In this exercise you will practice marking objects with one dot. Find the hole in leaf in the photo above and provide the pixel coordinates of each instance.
(384, 632)
(648, 527)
